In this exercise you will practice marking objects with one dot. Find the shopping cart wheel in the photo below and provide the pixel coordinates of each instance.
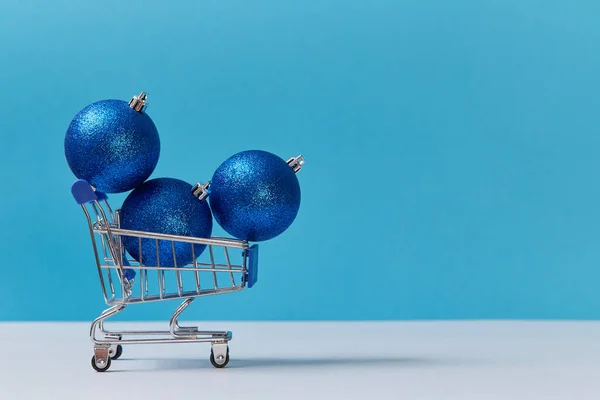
(116, 352)
(100, 366)
(220, 360)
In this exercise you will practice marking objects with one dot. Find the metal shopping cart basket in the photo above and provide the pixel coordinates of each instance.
(125, 281)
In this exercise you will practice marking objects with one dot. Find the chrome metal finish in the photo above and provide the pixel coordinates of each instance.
(201, 190)
(296, 163)
(138, 103)
(101, 354)
(158, 283)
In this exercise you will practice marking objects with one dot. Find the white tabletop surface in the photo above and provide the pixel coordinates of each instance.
(318, 360)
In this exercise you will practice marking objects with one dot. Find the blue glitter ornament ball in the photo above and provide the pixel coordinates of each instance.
(112, 144)
(255, 195)
(165, 205)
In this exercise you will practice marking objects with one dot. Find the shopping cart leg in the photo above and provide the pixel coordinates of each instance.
(219, 352)
(187, 331)
(174, 327)
(116, 350)
(98, 324)
(107, 347)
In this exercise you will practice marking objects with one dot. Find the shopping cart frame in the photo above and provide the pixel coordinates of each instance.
(111, 259)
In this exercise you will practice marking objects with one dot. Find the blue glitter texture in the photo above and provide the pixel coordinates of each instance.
(254, 195)
(112, 146)
(165, 205)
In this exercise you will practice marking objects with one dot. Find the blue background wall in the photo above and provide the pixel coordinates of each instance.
(452, 148)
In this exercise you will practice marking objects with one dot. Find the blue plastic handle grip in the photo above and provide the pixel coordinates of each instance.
(101, 196)
(82, 192)
(252, 275)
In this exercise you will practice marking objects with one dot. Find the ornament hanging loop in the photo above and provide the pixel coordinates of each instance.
(296, 163)
(138, 103)
(200, 191)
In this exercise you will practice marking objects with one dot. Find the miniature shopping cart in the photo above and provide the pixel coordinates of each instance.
(125, 281)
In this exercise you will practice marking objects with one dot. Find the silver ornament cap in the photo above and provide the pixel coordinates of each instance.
(296, 163)
(138, 103)
(200, 191)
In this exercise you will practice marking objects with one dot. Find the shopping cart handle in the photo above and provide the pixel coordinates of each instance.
(101, 196)
(82, 192)
(252, 270)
